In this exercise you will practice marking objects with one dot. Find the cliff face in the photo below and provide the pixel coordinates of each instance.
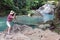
(24, 32)
(57, 11)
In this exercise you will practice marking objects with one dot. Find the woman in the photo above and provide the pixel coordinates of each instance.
(10, 17)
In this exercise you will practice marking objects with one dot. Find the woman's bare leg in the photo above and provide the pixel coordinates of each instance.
(9, 30)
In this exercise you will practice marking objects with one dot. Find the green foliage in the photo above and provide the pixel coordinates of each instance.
(9, 2)
(20, 6)
(6, 6)
(34, 4)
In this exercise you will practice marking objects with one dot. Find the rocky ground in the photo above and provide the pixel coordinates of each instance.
(24, 32)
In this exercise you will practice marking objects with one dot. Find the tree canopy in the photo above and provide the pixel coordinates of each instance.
(20, 6)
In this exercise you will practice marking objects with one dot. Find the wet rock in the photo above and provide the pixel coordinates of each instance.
(16, 28)
(20, 28)
(44, 26)
(27, 33)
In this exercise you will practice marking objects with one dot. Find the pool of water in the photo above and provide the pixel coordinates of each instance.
(3, 25)
(24, 20)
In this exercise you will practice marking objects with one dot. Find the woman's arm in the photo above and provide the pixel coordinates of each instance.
(14, 15)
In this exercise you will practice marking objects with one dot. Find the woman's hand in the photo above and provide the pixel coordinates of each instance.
(14, 15)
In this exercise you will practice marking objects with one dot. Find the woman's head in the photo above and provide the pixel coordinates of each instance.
(12, 12)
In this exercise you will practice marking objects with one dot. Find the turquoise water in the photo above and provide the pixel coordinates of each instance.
(24, 20)
(29, 20)
(3, 25)
(47, 17)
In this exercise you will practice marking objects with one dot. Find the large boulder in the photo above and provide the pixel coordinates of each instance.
(20, 28)
(44, 26)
